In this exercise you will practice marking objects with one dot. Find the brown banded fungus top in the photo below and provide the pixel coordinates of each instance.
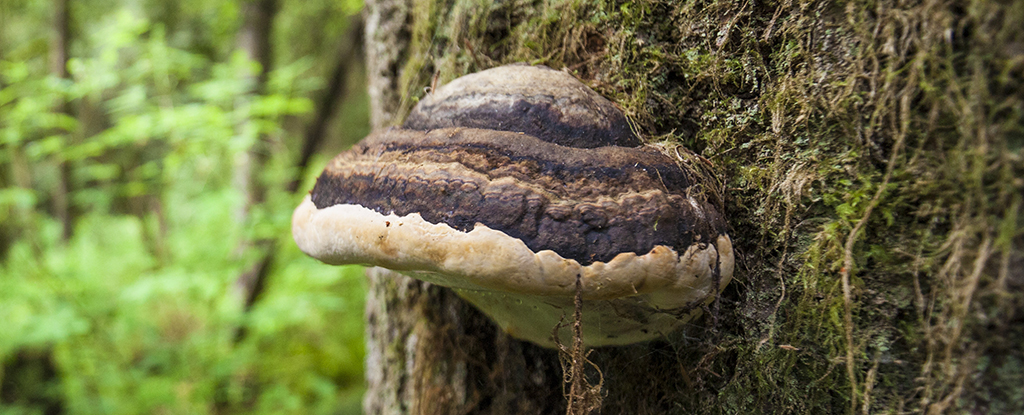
(507, 184)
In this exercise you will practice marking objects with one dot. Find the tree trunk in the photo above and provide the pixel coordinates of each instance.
(332, 96)
(254, 39)
(872, 184)
(428, 351)
(59, 68)
(432, 353)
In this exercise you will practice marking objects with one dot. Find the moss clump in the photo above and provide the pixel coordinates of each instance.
(871, 153)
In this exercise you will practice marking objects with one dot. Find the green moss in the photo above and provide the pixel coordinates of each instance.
(818, 117)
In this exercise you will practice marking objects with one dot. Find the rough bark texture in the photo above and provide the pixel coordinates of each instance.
(417, 359)
(428, 351)
(432, 353)
(872, 158)
(387, 40)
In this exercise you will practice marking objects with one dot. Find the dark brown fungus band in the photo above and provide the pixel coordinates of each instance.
(508, 184)
(534, 100)
(585, 204)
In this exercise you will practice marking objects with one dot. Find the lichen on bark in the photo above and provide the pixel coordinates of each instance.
(871, 154)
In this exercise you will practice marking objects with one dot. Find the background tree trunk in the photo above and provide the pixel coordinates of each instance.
(59, 67)
(865, 283)
(254, 41)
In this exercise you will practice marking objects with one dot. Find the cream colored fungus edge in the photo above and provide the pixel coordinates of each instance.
(489, 260)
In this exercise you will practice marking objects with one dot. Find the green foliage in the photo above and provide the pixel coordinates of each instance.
(129, 336)
(138, 309)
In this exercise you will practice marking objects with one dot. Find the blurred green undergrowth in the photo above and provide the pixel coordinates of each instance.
(124, 231)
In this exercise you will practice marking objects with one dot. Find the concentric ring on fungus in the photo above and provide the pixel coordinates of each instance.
(505, 185)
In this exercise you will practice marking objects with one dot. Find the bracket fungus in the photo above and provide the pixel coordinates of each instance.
(508, 184)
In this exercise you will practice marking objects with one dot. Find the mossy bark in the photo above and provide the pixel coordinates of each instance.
(871, 155)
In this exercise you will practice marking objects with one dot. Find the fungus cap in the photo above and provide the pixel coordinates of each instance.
(535, 100)
(509, 219)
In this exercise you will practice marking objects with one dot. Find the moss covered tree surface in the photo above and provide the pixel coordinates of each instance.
(870, 154)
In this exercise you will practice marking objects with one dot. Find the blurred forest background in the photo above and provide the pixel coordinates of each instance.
(152, 153)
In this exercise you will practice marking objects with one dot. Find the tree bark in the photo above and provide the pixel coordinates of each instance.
(59, 68)
(255, 42)
(387, 42)
(428, 351)
(328, 103)
(863, 283)
(254, 39)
